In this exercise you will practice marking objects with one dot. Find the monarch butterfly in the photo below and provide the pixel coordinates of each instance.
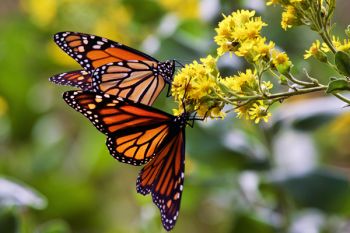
(113, 68)
(138, 134)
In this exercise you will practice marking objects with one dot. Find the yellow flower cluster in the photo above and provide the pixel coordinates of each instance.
(243, 83)
(195, 86)
(291, 15)
(256, 111)
(247, 84)
(200, 87)
(338, 45)
(240, 33)
(319, 51)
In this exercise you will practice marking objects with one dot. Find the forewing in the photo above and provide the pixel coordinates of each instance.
(134, 80)
(77, 78)
(134, 131)
(163, 176)
(92, 51)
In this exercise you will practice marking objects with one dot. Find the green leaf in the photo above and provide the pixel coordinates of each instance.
(8, 221)
(342, 61)
(324, 189)
(247, 223)
(338, 85)
(54, 226)
(313, 122)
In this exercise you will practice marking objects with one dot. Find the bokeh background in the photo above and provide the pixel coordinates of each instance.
(56, 176)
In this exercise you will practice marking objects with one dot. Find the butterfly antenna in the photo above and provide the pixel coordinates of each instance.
(179, 63)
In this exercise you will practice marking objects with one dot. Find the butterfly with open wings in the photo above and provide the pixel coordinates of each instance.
(139, 134)
(113, 68)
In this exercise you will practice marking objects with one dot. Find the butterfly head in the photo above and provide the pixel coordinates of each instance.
(167, 69)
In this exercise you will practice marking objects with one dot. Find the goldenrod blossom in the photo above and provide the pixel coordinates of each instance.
(266, 85)
(236, 28)
(194, 85)
(245, 83)
(259, 111)
(281, 61)
(316, 52)
(338, 45)
(313, 50)
(289, 17)
(242, 112)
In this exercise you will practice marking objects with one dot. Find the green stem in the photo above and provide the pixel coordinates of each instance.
(281, 95)
(327, 40)
(297, 81)
(343, 98)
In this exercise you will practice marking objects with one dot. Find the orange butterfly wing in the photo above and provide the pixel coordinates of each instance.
(163, 176)
(92, 51)
(134, 80)
(134, 131)
(77, 78)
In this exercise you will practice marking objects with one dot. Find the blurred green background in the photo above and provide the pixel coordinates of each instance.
(56, 176)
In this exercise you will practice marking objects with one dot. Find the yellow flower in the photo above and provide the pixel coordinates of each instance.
(194, 85)
(243, 83)
(289, 17)
(202, 87)
(338, 45)
(316, 52)
(242, 16)
(209, 63)
(242, 112)
(279, 58)
(259, 111)
(313, 50)
(262, 49)
(255, 49)
(237, 28)
(212, 112)
(266, 85)
(217, 113)
(176, 112)
(248, 30)
(245, 48)
(281, 62)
